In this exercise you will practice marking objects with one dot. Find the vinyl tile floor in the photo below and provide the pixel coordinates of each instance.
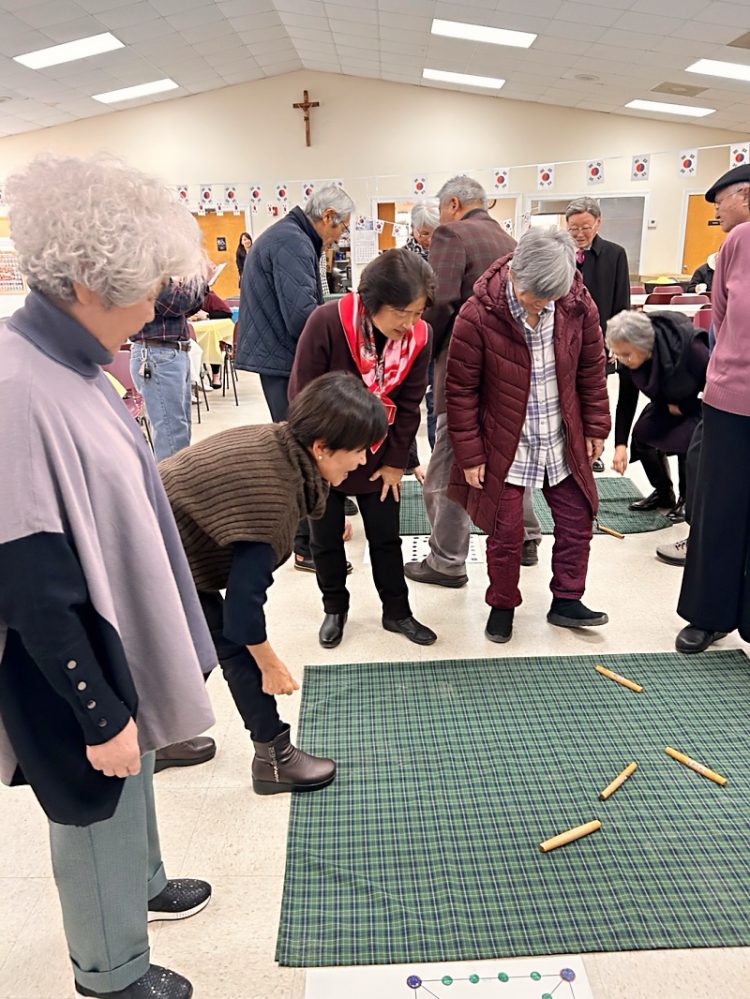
(213, 826)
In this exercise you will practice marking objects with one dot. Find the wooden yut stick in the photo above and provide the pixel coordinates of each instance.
(569, 836)
(694, 765)
(609, 530)
(619, 679)
(618, 781)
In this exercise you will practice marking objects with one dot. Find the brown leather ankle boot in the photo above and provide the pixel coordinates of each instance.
(279, 766)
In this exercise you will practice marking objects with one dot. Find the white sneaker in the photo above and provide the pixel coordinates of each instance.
(674, 554)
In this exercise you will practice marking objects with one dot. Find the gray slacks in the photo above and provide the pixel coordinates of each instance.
(105, 875)
(450, 523)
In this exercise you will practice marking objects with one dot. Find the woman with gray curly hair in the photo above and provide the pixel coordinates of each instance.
(102, 654)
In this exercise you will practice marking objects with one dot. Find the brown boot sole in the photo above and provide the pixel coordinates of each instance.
(272, 787)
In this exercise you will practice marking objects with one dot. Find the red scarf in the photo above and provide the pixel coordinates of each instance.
(380, 374)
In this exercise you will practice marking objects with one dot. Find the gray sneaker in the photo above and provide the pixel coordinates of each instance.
(674, 554)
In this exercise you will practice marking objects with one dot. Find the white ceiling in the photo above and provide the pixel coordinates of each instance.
(630, 46)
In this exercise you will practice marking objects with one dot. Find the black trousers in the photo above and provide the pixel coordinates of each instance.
(258, 710)
(715, 591)
(692, 461)
(381, 523)
(275, 388)
(656, 467)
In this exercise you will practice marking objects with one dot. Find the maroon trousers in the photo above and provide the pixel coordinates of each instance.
(570, 553)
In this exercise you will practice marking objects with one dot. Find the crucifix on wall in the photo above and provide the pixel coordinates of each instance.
(305, 106)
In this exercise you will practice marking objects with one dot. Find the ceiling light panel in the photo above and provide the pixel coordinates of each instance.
(663, 108)
(482, 33)
(82, 48)
(140, 90)
(727, 70)
(463, 79)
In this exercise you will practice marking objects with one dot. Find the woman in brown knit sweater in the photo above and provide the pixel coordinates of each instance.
(377, 334)
(237, 498)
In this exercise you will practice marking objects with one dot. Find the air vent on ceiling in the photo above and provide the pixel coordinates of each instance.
(678, 89)
(743, 42)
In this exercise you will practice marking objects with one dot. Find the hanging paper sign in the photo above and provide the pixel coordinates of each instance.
(640, 166)
(379, 225)
(688, 162)
(419, 185)
(360, 223)
(525, 222)
(207, 195)
(273, 210)
(282, 192)
(307, 189)
(182, 192)
(235, 209)
(595, 172)
(219, 208)
(255, 193)
(508, 226)
(398, 230)
(739, 155)
(201, 209)
(230, 193)
(545, 176)
(501, 178)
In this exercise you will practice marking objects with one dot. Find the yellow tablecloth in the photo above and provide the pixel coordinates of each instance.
(209, 333)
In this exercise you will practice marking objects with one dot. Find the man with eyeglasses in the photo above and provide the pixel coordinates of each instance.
(603, 266)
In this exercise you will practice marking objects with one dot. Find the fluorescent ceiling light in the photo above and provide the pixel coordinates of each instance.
(712, 67)
(481, 33)
(70, 51)
(141, 90)
(465, 79)
(670, 108)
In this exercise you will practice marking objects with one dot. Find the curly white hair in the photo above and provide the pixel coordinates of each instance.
(102, 224)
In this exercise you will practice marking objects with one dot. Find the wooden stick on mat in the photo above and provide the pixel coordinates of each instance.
(694, 765)
(569, 836)
(618, 781)
(609, 530)
(619, 679)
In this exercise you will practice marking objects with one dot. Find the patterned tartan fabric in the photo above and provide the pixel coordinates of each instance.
(450, 774)
(614, 496)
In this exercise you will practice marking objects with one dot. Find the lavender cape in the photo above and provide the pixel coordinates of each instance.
(75, 462)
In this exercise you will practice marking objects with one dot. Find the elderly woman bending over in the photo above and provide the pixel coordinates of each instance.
(527, 406)
(102, 639)
(664, 356)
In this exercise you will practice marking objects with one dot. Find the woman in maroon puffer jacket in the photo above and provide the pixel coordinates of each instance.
(527, 406)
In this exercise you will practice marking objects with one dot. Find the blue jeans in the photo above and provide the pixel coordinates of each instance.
(166, 394)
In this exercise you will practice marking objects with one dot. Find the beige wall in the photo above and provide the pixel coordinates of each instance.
(378, 136)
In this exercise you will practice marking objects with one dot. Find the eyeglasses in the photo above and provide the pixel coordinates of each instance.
(575, 229)
(726, 195)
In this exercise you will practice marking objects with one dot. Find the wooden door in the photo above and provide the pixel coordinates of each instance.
(227, 228)
(386, 212)
(701, 238)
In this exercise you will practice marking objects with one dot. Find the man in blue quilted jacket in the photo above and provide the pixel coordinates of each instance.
(280, 287)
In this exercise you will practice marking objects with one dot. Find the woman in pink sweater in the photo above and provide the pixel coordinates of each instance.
(715, 596)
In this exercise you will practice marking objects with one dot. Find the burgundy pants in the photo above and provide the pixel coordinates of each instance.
(570, 553)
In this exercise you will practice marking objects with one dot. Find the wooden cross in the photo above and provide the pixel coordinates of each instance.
(305, 106)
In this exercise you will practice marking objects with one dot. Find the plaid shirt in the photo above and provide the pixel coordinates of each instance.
(175, 303)
(542, 445)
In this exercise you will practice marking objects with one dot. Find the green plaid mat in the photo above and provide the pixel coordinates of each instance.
(450, 775)
(614, 496)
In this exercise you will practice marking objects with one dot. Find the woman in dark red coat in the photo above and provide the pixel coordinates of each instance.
(527, 406)
(379, 335)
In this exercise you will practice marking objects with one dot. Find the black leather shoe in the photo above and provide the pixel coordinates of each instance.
(500, 624)
(692, 639)
(190, 753)
(529, 554)
(180, 898)
(597, 465)
(654, 501)
(420, 572)
(677, 513)
(157, 983)
(413, 630)
(332, 630)
(305, 563)
(573, 614)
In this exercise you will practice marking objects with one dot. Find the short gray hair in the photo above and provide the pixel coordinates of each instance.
(581, 205)
(331, 196)
(630, 327)
(544, 262)
(425, 215)
(464, 189)
(102, 224)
